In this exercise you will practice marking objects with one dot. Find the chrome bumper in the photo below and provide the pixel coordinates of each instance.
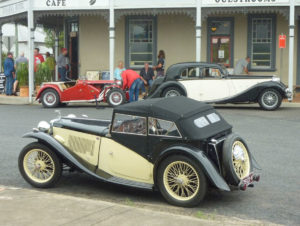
(289, 94)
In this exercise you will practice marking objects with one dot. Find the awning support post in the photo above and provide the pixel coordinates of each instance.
(111, 38)
(16, 40)
(30, 49)
(1, 47)
(56, 50)
(291, 44)
(198, 31)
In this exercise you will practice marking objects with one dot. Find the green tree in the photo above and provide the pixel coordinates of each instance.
(50, 39)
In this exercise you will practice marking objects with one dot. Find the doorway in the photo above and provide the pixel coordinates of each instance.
(72, 43)
(220, 41)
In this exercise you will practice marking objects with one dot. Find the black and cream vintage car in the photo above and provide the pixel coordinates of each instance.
(177, 145)
(212, 83)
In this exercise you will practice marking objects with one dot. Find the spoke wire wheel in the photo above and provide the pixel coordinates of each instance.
(270, 99)
(116, 98)
(181, 180)
(172, 93)
(39, 166)
(240, 160)
(49, 98)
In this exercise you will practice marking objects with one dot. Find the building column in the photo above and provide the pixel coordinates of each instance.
(30, 49)
(198, 31)
(291, 44)
(111, 38)
(16, 40)
(56, 50)
(1, 47)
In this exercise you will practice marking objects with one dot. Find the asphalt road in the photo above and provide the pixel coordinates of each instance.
(273, 137)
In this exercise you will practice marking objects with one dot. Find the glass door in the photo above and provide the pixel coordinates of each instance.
(220, 50)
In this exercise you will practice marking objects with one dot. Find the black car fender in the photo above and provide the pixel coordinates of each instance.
(159, 90)
(199, 156)
(60, 150)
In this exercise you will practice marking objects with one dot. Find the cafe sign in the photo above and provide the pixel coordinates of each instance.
(69, 4)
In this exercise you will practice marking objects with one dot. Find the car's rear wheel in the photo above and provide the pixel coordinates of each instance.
(116, 97)
(270, 99)
(50, 98)
(236, 159)
(39, 165)
(172, 92)
(181, 181)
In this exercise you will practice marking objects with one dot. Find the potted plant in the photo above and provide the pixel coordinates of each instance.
(22, 73)
(43, 74)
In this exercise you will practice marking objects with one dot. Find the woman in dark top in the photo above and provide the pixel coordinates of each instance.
(160, 67)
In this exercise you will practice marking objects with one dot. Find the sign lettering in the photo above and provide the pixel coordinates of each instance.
(56, 2)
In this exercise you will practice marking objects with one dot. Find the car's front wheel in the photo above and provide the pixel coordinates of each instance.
(50, 98)
(270, 99)
(115, 97)
(181, 181)
(39, 165)
(172, 92)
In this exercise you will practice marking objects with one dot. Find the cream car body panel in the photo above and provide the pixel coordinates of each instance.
(119, 161)
(241, 85)
(85, 146)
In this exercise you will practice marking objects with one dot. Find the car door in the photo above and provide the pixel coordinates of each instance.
(77, 93)
(209, 86)
(124, 155)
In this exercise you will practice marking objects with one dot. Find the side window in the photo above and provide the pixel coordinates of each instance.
(190, 72)
(210, 72)
(129, 124)
(159, 127)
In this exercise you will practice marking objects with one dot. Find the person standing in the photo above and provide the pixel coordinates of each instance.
(133, 81)
(9, 72)
(62, 64)
(118, 71)
(148, 74)
(160, 67)
(242, 66)
(20, 60)
(38, 58)
(50, 62)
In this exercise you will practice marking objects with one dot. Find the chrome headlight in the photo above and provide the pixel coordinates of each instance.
(44, 126)
(119, 83)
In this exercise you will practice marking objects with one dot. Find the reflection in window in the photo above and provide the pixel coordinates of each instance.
(191, 72)
(159, 127)
(129, 124)
(261, 42)
(210, 72)
(140, 38)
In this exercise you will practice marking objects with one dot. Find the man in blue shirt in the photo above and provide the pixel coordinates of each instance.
(9, 72)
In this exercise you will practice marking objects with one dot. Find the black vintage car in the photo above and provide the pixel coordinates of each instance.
(211, 83)
(176, 145)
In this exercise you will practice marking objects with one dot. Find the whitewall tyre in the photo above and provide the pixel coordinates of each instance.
(270, 99)
(172, 92)
(50, 98)
(181, 181)
(116, 97)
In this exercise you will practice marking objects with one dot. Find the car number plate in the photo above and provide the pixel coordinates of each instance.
(248, 180)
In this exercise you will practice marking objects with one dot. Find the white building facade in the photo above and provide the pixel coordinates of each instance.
(99, 33)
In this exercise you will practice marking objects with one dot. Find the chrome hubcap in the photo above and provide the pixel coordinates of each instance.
(49, 98)
(116, 98)
(270, 99)
(172, 93)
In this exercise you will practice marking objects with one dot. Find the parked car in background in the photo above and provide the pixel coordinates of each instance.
(177, 145)
(211, 83)
(54, 94)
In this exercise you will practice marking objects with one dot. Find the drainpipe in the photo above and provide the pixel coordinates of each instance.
(291, 44)
(198, 31)
(30, 49)
(111, 38)
(16, 40)
(56, 52)
(1, 48)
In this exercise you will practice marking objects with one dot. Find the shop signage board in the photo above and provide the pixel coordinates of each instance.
(70, 4)
(10, 8)
(239, 3)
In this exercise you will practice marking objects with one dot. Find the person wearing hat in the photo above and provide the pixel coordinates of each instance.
(62, 64)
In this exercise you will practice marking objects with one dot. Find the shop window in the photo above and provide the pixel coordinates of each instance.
(140, 41)
(262, 42)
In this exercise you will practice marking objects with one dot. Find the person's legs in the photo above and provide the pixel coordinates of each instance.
(62, 72)
(16, 82)
(143, 88)
(9, 85)
(132, 90)
(150, 82)
(138, 88)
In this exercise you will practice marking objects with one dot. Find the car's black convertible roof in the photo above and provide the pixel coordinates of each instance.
(172, 109)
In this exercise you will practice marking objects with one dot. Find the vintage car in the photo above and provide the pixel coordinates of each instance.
(54, 94)
(176, 145)
(211, 83)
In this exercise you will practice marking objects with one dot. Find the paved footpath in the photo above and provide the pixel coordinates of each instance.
(36, 207)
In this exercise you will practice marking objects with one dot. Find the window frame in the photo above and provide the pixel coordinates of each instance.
(273, 44)
(136, 134)
(154, 135)
(127, 37)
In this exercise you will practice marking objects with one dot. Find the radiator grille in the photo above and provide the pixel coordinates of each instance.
(81, 145)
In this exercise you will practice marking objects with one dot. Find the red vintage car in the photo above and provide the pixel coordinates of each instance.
(54, 94)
